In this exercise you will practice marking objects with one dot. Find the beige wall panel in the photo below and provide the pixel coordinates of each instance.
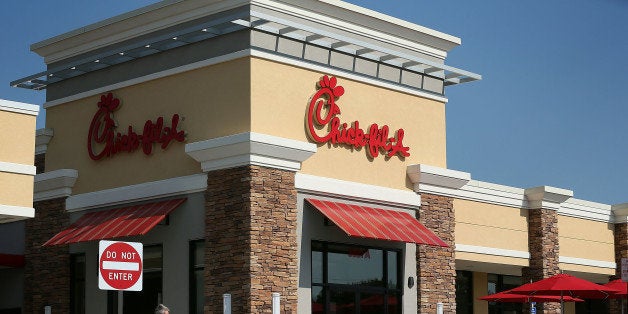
(212, 101)
(489, 236)
(280, 97)
(491, 225)
(586, 269)
(17, 137)
(16, 189)
(597, 243)
(480, 289)
(491, 259)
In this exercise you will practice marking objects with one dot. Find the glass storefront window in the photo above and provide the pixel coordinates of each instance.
(499, 283)
(355, 279)
(77, 286)
(197, 282)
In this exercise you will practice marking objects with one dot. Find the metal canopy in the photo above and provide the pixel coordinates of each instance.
(247, 20)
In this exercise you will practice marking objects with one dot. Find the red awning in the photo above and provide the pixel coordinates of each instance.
(376, 223)
(115, 223)
(11, 260)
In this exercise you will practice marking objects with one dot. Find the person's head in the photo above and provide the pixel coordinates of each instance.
(162, 309)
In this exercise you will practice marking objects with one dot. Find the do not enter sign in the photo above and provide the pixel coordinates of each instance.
(120, 266)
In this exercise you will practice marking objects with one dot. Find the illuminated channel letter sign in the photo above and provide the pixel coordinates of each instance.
(104, 141)
(324, 126)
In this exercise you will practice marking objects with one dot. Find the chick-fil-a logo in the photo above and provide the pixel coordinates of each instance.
(104, 141)
(323, 111)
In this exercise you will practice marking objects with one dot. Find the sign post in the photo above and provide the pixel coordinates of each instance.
(120, 266)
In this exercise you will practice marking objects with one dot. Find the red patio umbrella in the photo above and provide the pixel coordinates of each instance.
(565, 285)
(620, 285)
(506, 296)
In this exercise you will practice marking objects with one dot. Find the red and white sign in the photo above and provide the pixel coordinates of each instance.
(324, 125)
(120, 265)
(104, 139)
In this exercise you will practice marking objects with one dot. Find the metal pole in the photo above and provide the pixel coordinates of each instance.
(276, 303)
(226, 303)
(439, 308)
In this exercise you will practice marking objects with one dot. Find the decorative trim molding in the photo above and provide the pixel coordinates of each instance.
(42, 138)
(241, 54)
(335, 188)
(18, 107)
(435, 176)
(546, 197)
(17, 168)
(150, 77)
(18, 212)
(250, 149)
(446, 182)
(620, 213)
(491, 251)
(138, 192)
(586, 262)
(345, 74)
(586, 210)
(54, 184)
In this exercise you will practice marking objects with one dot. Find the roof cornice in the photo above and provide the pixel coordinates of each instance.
(168, 13)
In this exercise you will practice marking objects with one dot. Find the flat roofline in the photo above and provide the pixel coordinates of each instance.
(394, 20)
(112, 20)
(39, 47)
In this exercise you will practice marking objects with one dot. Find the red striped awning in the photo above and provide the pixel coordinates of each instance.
(377, 223)
(115, 223)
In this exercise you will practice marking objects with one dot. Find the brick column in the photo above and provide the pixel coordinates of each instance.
(47, 269)
(620, 213)
(251, 240)
(543, 245)
(436, 266)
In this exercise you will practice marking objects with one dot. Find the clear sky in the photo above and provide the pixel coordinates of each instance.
(551, 109)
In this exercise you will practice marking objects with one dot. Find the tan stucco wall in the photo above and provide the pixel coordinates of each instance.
(586, 269)
(493, 259)
(17, 137)
(16, 189)
(281, 94)
(587, 239)
(213, 101)
(489, 225)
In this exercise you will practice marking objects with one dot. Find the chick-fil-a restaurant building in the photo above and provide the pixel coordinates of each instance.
(268, 146)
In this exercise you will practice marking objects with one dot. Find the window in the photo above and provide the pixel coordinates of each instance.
(355, 279)
(464, 292)
(197, 266)
(77, 283)
(499, 283)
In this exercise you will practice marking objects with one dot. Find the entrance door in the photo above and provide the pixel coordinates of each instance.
(146, 300)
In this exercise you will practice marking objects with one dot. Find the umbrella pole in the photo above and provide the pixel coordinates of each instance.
(562, 308)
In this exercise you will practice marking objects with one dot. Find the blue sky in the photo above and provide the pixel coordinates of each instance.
(552, 108)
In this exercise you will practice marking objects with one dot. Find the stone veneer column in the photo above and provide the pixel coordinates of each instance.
(620, 213)
(47, 269)
(251, 220)
(436, 266)
(251, 239)
(543, 203)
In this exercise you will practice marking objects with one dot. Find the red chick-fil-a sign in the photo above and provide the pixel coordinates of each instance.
(104, 141)
(323, 112)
